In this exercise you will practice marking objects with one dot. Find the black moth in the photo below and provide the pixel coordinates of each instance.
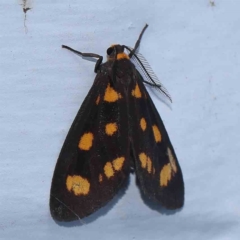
(116, 129)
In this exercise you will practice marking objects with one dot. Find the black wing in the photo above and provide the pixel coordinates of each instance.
(94, 160)
(156, 164)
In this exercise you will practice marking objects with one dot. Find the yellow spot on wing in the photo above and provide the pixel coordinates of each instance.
(143, 124)
(156, 133)
(98, 99)
(85, 142)
(136, 92)
(118, 163)
(111, 95)
(122, 56)
(172, 160)
(108, 170)
(110, 128)
(78, 184)
(165, 175)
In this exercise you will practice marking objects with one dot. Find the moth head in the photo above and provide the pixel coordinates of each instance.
(116, 52)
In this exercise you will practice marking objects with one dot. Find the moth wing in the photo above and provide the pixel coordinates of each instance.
(157, 168)
(93, 163)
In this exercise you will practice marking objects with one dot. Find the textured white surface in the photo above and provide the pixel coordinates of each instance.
(193, 47)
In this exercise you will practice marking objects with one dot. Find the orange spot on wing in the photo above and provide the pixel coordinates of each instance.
(156, 133)
(85, 142)
(69, 183)
(165, 175)
(143, 159)
(168, 170)
(118, 163)
(108, 170)
(146, 162)
(111, 95)
(149, 165)
(77, 184)
(111, 128)
(172, 160)
(143, 124)
(136, 92)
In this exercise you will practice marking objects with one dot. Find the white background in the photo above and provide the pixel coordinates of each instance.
(193, 47)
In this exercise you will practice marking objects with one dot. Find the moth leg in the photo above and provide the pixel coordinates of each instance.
(93, 55)
(138, 42)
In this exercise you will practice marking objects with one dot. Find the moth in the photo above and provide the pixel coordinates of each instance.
(117, 129)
